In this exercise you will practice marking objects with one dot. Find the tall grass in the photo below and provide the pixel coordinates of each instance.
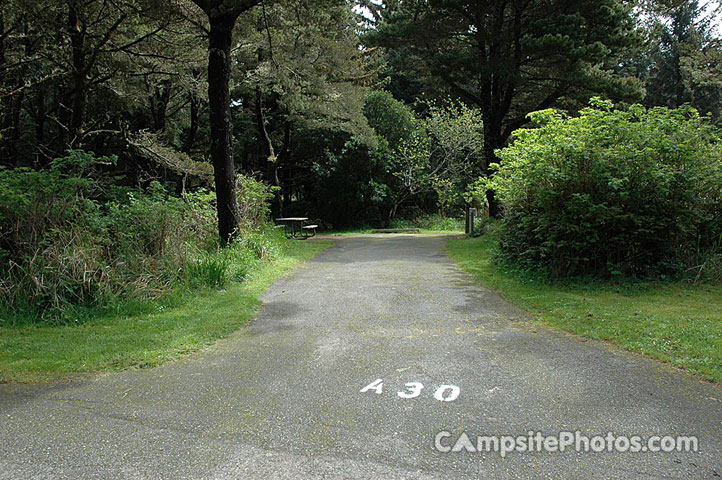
(72, 241)
(432, 222)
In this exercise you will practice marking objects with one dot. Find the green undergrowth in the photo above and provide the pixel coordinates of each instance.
(676, 322)
(348, 231)
(432, 223)
(142, 335)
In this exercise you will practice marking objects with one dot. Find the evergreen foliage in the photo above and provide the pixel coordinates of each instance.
(511, 58)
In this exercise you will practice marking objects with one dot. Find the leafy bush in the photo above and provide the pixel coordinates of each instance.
(45, 257)
(412, 163)
(262, 244)
(347, 188)
(391, 119)
(438, 156)
(69, 239)
(34, 203)
(254, 199)
(613, 192)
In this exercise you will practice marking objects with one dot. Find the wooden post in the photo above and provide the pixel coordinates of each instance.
(471, 214)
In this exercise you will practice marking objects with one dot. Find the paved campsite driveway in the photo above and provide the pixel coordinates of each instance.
(281, 398)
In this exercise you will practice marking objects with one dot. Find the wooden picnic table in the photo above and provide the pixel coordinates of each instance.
(296, 229)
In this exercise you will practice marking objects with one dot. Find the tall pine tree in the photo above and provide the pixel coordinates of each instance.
(509, 58)
(685, 61)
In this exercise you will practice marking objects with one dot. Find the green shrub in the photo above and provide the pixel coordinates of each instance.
(402, 223)
(69, 239)
(263, 245)
(33, 203)
(391, 119)
(211, 270)
(254, 199)
(244, 261)
(442, 223)
(612, 192)
(350, 186)
(48, 223)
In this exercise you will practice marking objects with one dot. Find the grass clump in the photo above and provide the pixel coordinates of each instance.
(142, 334)
(430, 223)
(424, 222)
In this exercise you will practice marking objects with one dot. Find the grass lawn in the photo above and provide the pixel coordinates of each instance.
(421, 231)
(347, 233)
(679, 323)
(425, 224)
(109, 343)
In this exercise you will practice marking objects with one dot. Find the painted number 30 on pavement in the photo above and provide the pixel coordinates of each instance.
(445, 393)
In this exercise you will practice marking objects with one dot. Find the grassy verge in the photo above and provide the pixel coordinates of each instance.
(186, 323)
(347, 233)
(677, 323)
(421, 231)
(425, 224)
(431, 223)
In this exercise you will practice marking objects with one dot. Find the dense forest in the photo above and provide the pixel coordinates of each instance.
(140, 136)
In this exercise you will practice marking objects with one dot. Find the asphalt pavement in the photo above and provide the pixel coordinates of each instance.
(378, 359)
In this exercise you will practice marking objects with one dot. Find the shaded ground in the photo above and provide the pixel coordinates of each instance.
(281, 398)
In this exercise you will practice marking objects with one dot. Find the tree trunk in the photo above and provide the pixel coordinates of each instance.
(79, 75)
(219, 99)
(4, 155)
(266, 144)
(194, 109)
(159, 104)
(16, 106)
(282, 161)
(189, 140)
(40, 118)
(10, 122)
(272, 161)
(266, 141)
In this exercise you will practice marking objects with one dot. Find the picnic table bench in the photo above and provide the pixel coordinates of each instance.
(295, 227)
